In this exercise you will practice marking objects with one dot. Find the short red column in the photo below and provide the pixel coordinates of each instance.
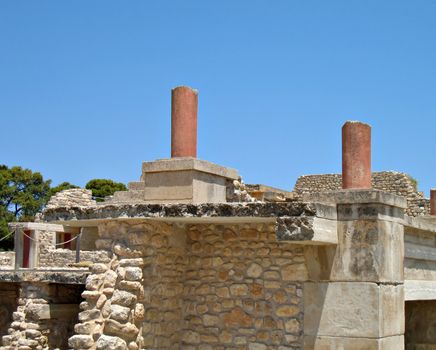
(356, 155)
(184, 106)
(433, 201)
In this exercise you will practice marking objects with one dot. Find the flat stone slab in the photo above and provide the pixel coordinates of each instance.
(183, 164)
(357, 196)
(223, 210)
(67, 276)
(295, 221)
(419, 290)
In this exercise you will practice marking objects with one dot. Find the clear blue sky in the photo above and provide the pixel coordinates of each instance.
(85, 85)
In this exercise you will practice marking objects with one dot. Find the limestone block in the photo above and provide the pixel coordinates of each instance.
(343, 343)
(80, 341)
(120, 313)
(123, 298)
(182, 180)
(106, 342)
(359, 309)
(369, 250)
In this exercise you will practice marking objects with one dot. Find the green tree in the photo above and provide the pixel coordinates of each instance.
(104, 187)
(23, 193)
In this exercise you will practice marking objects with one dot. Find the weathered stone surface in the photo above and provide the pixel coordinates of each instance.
(359, 309)
(80, 341)
(344, 343)
(124, 298)
(106, 342)
(369, 250)
(72, 198)
(182, 210)
(120, 313)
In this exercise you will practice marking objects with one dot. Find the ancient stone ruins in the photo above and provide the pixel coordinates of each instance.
(192, 258)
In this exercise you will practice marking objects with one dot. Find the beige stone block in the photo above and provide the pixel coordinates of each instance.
(359, 309)
(369, 250)
(343, 343)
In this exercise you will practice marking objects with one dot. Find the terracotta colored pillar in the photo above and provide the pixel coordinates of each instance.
(356, 155)
(184, 106)
(433, 201)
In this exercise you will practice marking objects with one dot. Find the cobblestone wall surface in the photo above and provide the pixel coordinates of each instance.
(44, 317)
(242, 289)
(389, 181)
(53, 256)
(7, 260)
(201, 287)
(72, 198)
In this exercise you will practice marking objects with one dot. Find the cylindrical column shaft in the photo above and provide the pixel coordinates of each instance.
(184, 106)
(356, 155)
(433, 201)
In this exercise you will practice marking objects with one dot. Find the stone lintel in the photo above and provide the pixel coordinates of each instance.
(185, 164)
(41, 226)
(67, 276)
(296, 222)
(419, 290)
(358, 196)
(422, 223)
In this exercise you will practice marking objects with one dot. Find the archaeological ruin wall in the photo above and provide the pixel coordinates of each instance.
(390, 181)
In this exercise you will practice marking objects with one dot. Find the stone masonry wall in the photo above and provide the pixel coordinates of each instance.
(43, 318)
(195, 287)
(242, 289)
(135, 301)
(52, 256)
(7, 260)
(9, 296)
(389, 181)
(72, 198)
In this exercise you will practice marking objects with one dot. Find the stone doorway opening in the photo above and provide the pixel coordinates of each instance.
(420, 325)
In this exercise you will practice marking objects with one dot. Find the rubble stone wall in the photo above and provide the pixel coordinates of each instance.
(242, 289)
(389, 181)
(7, 260)
(52, 256)
(44, 317)
(9, 296)
(192, 287)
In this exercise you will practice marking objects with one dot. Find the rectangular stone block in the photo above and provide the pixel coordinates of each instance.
(359, 309)
(343, 343)
(369, 250)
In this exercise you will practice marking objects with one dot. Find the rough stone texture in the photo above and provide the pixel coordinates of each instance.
(51, 254)
(174, 211)
(199, 286)
(330, 343)
(72, 198)
(242, 288)
(359, 309)
(389, 181)
(9, 296)
(7, 260)
(43, 318)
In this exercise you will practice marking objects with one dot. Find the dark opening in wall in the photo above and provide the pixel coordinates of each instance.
(420, 317)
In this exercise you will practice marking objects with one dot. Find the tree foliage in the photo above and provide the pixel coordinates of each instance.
(22, 194)
(104, 187)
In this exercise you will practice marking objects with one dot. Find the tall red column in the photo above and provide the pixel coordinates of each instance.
(356, 155)
(433, 201)
(184, 106)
